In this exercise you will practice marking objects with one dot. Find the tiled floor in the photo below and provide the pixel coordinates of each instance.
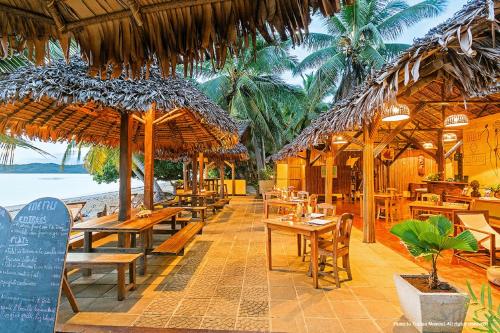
(222, 283)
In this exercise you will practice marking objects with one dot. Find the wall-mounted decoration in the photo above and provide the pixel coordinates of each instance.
(421, 165)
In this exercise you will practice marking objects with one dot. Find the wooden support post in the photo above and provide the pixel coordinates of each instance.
(221, 176)
(149, 118)
(329, 177)
(308, 171)
(194, 179)
(440, 160)
(185, 175)
(368, 188)
(125, 166)
(201, 160)
(233, 178)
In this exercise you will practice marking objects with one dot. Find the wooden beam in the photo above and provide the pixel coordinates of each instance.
(352, 139)
(346, 145)
(418, 145)
(135, 11)
(454, 148)
(408, 145)
(124, 209)
(149, 149)
(454, 103)
(389, 138)
(56, 16)
(368, 188)
(10, 10)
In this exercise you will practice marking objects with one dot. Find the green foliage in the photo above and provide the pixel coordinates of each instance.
(8, 143)
(357, 41)
(167, 170)
(432, 177)
(267, 173)
(107, 174)
(494, 187)
(485, 314)
(429, 238)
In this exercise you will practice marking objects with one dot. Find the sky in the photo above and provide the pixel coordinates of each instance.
(23, 156)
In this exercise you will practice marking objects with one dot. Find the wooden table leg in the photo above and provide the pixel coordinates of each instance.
(386, 207)
(173, 222)
(69, 295)
(299, 245)
(144, 246)
(314, 258)
(268, 250)
(132, 275)
(122, 290)
(87, 247)
(266, 213)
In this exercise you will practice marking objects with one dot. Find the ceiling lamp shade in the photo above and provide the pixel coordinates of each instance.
(456, 120)
(395, 112)
(339, 140)
(428, 145)
(449, 137)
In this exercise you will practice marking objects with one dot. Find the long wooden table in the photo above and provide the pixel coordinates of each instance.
(448, 209)
(300, 229)
(127, 230)
(277, 202)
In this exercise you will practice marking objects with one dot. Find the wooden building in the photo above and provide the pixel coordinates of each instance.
(444, 93)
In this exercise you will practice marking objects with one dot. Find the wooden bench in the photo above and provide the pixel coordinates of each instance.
(197, 209)
(120, 260)
(76, 239)
(217, 205)
(177, 243)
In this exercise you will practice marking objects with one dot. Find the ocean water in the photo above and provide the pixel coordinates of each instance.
(16, 189)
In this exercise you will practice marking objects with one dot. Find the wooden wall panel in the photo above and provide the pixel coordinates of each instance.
(405, 169)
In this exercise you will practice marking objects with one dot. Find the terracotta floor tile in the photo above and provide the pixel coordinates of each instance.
(283, 292)
(359, 326)
(322, 325)
(349, 310)
(382, 309)
(285, 308)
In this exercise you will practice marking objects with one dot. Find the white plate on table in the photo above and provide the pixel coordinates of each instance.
(316, 215)
(319, 222)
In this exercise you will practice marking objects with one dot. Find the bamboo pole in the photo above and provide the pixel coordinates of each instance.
(149, 118)
(233, 178)
(368, 188)
(201, 166)
(124, 210)
(194, 175)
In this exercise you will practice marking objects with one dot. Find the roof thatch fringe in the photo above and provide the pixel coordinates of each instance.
(133, 33)
(463, 47)
(60, 102)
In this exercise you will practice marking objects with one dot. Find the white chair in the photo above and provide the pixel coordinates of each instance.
(303, 195)
(327, 209)
(477, 223)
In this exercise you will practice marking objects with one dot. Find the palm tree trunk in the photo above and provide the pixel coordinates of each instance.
(258, 153)
(140, 166)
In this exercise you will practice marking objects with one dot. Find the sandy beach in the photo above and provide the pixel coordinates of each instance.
(95, 203)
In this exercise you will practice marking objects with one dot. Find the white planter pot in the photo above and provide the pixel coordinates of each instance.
(431, 312)
(265, 186)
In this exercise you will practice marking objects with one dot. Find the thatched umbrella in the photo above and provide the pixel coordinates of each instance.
(61, 102)
(456, 66)
(132, 33)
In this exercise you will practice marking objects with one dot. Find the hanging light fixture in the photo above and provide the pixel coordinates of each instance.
(449, 137)
(339, 140)
(428, 145)
(456, 120)
(395, 112)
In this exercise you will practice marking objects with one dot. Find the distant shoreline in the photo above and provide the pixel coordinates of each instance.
(42, 168)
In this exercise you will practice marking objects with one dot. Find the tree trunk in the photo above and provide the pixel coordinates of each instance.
(258, 154)
(433, 277)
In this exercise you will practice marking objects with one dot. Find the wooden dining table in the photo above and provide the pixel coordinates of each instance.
(386, 197)
(127, 231)
(448, 209)
(203, 196)
(278, 202)
(299, 228)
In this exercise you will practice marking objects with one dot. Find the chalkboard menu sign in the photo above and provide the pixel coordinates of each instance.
(31, 266)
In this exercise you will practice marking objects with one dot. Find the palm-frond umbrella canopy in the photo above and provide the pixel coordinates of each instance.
(455, 67)
(61, 102)
(133, 32)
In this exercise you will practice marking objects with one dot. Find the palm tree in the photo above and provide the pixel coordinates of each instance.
(249, 87)
(9, 143)
(358, 41)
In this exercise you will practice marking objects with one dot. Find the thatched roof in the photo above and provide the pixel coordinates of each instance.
(453, 69)
(133, 32)
(61, 102)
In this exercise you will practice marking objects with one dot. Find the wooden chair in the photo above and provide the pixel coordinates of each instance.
(313, 202)
(303, 195)
(337, 247)
(477, 223)
(323, 208)
(76, 210)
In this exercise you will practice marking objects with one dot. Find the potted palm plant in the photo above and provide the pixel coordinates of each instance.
(430, 304)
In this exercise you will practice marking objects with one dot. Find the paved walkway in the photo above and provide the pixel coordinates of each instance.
(222, 283)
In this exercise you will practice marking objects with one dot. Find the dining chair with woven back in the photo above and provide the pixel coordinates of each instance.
(337, 248)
